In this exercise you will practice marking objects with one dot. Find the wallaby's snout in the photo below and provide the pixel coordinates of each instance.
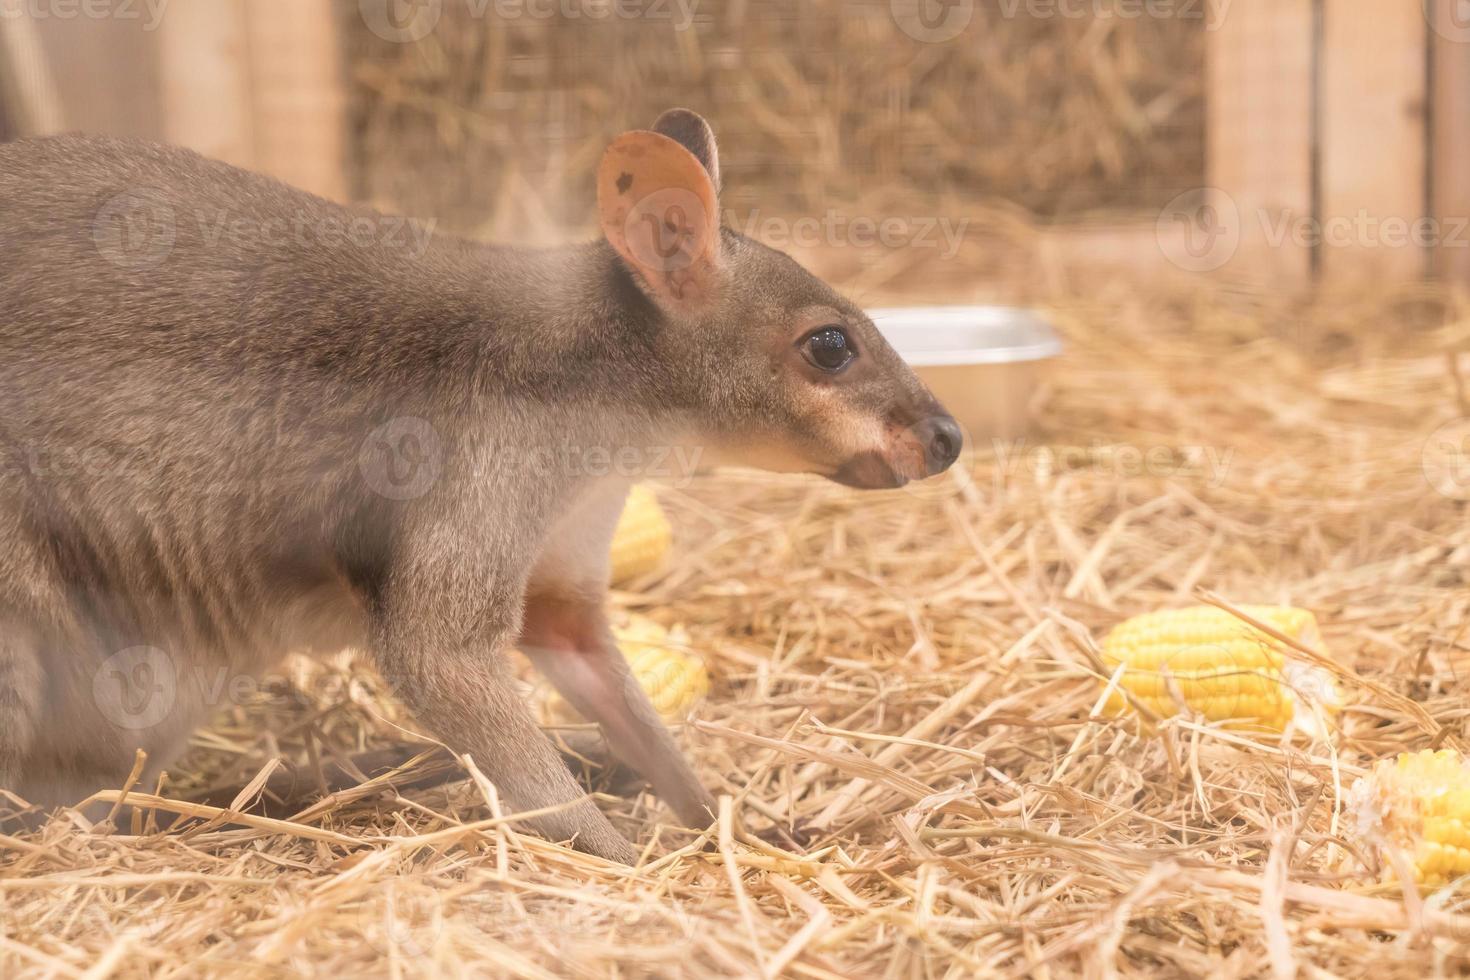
(902, 452)
(774, 367)
(942, 441)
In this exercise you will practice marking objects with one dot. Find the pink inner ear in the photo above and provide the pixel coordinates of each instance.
(659, 210)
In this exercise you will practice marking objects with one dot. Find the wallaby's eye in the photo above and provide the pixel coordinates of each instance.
(829, 349)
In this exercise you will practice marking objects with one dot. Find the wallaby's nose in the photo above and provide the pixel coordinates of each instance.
(942, 440)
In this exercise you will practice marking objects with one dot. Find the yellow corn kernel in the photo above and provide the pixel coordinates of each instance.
(642, 537)
(674, 679)
(1209, 662)
(1418, 804)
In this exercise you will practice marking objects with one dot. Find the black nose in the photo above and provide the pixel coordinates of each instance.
(942, 441)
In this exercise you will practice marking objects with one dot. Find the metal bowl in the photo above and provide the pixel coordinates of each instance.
(982, 362)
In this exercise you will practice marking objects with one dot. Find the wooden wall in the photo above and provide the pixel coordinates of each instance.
(257, 84)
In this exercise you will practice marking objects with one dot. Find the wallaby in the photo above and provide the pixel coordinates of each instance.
(239, 421)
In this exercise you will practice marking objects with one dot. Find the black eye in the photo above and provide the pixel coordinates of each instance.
(829, 349)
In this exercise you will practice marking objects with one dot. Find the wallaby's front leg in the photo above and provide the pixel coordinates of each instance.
(469, 702)
(440, 637)
(569, 641)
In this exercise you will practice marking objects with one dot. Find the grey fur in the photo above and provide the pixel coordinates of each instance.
(227, 433)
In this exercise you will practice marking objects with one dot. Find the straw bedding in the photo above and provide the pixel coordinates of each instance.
(910, 678)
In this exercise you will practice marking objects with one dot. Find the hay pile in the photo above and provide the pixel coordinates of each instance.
(496, 121)
(912, 677)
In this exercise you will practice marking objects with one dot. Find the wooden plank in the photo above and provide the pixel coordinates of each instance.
(205, 71)
(299, 97)
(1449, 161)
(1259, 124)
(28, 94)
(1373, 125)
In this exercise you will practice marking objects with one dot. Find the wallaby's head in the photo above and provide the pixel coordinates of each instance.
(774, 367)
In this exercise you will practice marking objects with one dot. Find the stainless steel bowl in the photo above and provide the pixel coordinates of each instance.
(982, 362)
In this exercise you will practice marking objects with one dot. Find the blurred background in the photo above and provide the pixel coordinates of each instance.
(1249, 222)
(1277, 141)
(1299, 136)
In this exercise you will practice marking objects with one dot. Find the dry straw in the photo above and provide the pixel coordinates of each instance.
(494, 123)
(906, 685)
(909, 684)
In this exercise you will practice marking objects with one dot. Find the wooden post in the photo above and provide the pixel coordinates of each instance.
(1449, 160)
(205, 68)
(258, 85)
(1259, 123)
(27, 85)
(1373, 125)
(299, 100)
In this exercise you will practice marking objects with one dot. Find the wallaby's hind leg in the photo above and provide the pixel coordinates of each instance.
(565, 633)
(21, 688)
(569, 642)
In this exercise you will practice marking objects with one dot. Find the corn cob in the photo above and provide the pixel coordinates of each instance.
(1419, 805)
(642, 537)
(1210, 662)
(674, 679)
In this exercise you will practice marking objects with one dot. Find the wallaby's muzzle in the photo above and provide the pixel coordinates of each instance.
(942, 441)
(924, 449)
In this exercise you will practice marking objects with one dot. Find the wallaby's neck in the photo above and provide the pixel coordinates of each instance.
(560, 331)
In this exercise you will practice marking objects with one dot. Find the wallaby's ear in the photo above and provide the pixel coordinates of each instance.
(660, 211)
(688, 128)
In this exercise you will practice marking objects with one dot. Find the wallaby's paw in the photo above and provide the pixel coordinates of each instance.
(611, 845)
